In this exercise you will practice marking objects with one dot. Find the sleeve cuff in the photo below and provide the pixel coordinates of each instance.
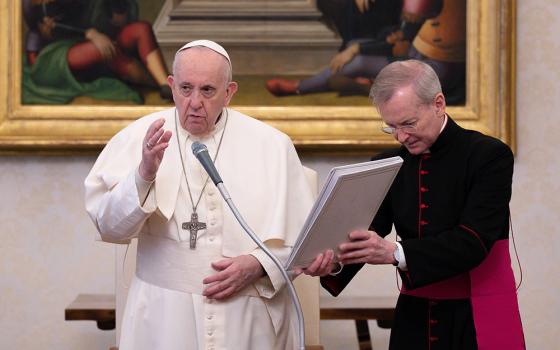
(267, 286)
(400, 257)
(146, 197)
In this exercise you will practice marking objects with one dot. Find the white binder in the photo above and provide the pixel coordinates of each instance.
(348, 201)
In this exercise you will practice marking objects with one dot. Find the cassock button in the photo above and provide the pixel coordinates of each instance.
(210, 332)
(424, 172)
(423, 222)
(433, 339)
(423, 206)
(434, 321)
(211, 239)
(423, 189)
(209, 317)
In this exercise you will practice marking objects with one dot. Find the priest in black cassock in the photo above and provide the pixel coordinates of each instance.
(449, 205)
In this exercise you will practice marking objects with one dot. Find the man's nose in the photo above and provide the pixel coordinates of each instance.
(196, 99)
(400, 135)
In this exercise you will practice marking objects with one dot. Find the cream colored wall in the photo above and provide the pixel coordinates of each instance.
(48, 256)
(536, 195)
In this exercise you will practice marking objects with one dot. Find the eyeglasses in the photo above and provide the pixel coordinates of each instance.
(407, 128)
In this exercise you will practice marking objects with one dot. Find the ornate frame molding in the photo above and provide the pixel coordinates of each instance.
(490, 105)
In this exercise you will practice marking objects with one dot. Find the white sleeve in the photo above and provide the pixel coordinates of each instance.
(143, 187)
(269, 285)
(120, 215)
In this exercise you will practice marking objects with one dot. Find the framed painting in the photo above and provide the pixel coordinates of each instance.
(344, 126)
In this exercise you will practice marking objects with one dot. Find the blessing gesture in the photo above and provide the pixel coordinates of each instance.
(153, 148)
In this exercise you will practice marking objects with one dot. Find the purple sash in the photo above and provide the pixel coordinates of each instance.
(491, 288)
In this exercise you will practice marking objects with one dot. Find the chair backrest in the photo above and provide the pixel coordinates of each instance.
(306, 287)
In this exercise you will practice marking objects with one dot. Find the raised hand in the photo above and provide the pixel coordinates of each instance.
(153, 148)
(233, 275)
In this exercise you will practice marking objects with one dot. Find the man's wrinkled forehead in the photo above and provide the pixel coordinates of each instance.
(208, 44)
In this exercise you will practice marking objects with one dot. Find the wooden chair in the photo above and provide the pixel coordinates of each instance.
(360, 310)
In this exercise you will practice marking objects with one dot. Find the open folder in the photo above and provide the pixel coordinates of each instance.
(348, 201)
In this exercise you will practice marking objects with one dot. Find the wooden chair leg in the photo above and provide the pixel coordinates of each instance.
(364, 339)
(385, 324)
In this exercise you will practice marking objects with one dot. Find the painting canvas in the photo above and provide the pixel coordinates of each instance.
(90, 52)
(304, 66)
(371, 34)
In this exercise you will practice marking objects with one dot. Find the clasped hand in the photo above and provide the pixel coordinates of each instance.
(362, 247)
(234, 274)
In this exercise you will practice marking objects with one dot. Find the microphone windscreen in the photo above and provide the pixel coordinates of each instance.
(198, 147)
(201, 153)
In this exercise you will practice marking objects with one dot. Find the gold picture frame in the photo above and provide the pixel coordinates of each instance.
(65, 129)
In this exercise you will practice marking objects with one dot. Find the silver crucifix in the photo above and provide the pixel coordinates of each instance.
(193, 226)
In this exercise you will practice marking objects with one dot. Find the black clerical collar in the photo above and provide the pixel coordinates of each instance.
(446, 136)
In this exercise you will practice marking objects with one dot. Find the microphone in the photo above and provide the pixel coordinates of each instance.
(201, 153)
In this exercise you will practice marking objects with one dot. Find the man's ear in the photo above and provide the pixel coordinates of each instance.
(439, 104)
(170, 81)
(231, 89)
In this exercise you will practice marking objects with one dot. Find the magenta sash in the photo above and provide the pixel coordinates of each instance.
(491, 289)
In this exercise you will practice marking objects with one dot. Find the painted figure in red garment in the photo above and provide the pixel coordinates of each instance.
(97, 38)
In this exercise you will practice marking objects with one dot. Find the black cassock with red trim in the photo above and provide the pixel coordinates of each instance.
(449, 207)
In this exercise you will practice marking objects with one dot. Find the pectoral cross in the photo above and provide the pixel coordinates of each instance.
(193, 226)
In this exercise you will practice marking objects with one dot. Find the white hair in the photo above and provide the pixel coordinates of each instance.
(423, 79)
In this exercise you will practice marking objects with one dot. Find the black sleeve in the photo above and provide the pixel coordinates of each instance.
(336, 284)
(383, 221)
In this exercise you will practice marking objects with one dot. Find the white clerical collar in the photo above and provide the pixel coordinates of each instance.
(444, 123)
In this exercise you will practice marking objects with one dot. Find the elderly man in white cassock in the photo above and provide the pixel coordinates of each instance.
(200, 281)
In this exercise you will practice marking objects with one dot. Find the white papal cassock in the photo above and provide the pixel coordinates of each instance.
(165, 307)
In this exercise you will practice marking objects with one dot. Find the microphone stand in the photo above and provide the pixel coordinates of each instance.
(277, 262)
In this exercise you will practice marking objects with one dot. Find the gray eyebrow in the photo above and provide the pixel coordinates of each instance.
(407, 120)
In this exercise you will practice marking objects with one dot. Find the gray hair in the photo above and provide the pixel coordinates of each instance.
(227, 70)
(419, 75)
